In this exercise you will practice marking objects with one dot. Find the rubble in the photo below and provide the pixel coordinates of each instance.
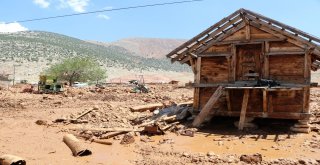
(127, 139)
(251, 159)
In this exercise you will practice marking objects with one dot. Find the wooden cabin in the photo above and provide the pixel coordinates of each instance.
(243, 50)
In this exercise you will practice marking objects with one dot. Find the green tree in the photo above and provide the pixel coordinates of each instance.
(77, 69)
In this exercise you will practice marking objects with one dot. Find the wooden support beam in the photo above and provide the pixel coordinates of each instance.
(248, 35)
(306, 99)
(198, 70)
(229, 61)
(185, 59)
(266, 60)
(243, 109)
(228, 100)
(270, 104)
(234, 62)
(196, 98)
(208, 107)
(265, 101)
(245, 42)
(285, 53)
(193, 67)
(307, 66)
(215, 55)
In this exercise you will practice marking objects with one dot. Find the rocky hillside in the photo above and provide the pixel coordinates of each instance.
(147, 47)
(34, 51)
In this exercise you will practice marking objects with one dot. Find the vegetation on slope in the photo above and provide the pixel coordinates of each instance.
(51, 48)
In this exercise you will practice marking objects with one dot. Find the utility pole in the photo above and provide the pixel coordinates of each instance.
(14, 73)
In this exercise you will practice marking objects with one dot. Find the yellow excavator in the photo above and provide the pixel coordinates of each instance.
(49, 84)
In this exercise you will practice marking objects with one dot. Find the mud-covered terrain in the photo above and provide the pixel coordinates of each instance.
(27, 130)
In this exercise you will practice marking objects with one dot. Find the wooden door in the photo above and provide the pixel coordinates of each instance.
(248, 65)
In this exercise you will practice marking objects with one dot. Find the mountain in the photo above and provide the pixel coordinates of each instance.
(148, 47)
(34, 51)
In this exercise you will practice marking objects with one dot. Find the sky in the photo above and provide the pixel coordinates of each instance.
(178, 21)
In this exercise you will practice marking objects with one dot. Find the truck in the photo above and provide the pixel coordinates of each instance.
(49, 84)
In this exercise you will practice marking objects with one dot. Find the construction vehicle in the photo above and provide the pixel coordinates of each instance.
(49, 84)
(138, 87)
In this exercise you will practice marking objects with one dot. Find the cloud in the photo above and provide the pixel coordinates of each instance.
(75, 5)
(42, 3)
(102, 16)
(11, 27)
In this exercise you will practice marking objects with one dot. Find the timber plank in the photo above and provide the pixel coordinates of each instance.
(208, 107)
(243, 109)
(265, 101)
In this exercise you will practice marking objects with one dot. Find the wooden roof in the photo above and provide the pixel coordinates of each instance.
(234, 22)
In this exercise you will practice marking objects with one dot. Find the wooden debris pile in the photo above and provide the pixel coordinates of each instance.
(161, 121)
(315, 122)
(96, 116)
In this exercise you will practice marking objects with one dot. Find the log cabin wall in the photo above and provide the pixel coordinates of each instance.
(272, 58)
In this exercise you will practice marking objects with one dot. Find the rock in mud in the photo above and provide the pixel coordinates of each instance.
(41, 122)
(127, 139)
(210, 153)
(255, 158)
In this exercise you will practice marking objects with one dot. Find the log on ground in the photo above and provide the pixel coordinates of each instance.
(150, 107)
(11, 160)
(75, 145)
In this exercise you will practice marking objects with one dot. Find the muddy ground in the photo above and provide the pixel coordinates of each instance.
(218, 142)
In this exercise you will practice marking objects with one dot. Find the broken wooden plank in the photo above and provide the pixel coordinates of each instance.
(187, 103)
(243, 109)
(168, 118)
(83, 114)
(169, 125)
(208, 107)
(150, 107)
(112, 134)
(107, 129)
(101, 141)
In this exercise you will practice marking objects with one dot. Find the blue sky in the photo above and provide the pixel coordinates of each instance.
(181, 21)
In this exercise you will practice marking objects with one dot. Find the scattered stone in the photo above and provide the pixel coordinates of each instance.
(166, 141)
(185, 154)
(302, 161)
(210, 153)
(58, 102)
(127, 139)
(95, 107)
(41, 122)
(255, 158)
